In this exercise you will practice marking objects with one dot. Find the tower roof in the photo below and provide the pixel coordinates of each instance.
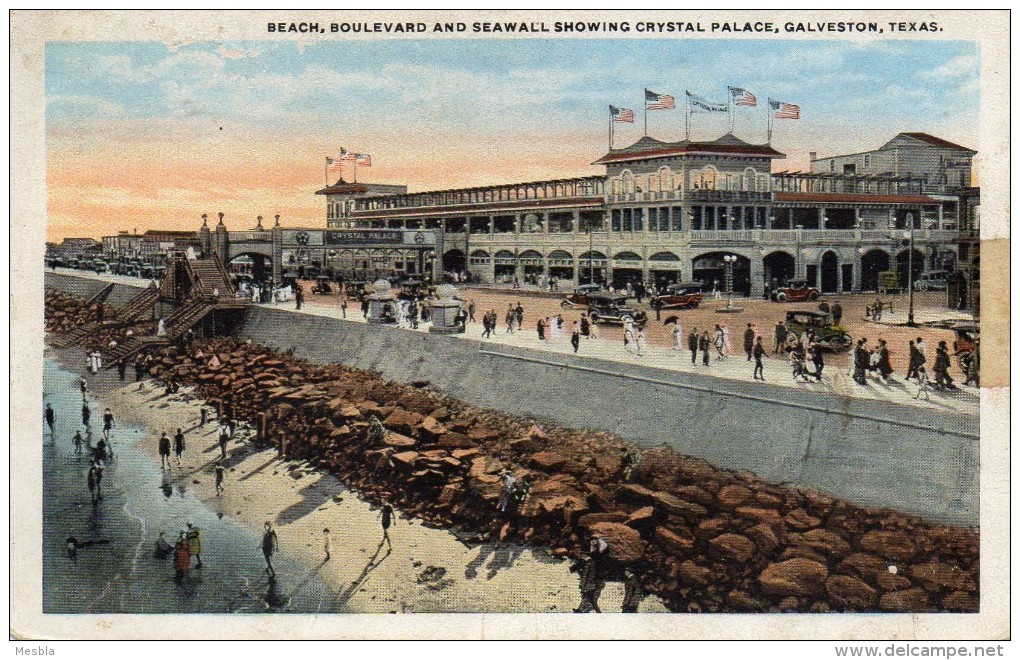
(650, 148)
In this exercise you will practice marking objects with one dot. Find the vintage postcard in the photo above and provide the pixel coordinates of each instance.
(403, 324)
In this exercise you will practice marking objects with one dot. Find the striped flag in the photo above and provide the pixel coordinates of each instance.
(334, 165)
(348, 156)
(363, 159)
(782, 110)
(621, 115)
(699, 104)
(743, 97)
(655, 101)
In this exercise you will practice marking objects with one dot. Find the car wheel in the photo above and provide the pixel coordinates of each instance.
(781, 296)
(595, 316)
(814, 295)
(694, 305)
(565, 304)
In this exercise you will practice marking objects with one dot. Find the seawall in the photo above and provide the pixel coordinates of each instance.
(906, 458)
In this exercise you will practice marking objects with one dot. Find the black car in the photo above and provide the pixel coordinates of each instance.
(605, 307)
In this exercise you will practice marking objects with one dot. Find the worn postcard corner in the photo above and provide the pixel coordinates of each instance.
(516, 324)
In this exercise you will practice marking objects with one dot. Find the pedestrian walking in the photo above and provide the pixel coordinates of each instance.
(943, 380)
(692, 345)
(705, 344)
(540, 327)
(107, 424)
(77, 442)
(780, 337)
(343, 305)
(594, 330)
(224, 437)
(325, 542)
(641, 342)
(511, 319)
(471, 311)
(50, 417)
(815, 351)
(164, 450)
(548, 330)
(179, 445)
(923, 384)
(720, 340)
(122, 368)
(221, 472)
(387, 520)
(837, 313)
(884, 363)
(194, 537)
(575, 338)
(203, 415)
(678, 336)
(520, 315)
(86, 414)
(182, 558)
(749, 341)
(915, 361)
(923, 349)
(270, 545)
(364, 306)
(83, 384)
(861, 362)
(91, 481)
(758, 351)
(585, 325)
(299, 296)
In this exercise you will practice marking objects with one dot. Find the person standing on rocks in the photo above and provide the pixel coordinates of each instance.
(50, 417)
(758, 352)
(179, 445)
(270, 545)
(164, 451)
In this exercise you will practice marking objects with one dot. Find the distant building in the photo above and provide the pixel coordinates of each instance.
(154, 244)
(75, 247)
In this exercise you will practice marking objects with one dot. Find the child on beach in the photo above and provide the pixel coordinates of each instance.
(164, 450)
(77, 442)
(179, 445)
(221, 472)
(325, 542)
(387, 520)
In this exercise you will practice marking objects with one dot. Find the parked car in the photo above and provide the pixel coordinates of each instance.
(100, 266)
(686, 295)
(579, 298)
(932, 280)
(605, 307)
(828, 335)
(795, 291)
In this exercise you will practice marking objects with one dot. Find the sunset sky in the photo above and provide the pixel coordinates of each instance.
(142, 136)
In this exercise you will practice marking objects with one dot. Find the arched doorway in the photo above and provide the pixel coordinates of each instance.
(665, 268)
(531, 266)
(561, 265)
(253, 265)
(453, 261)
(710, 270)
(903, 265)
(504, 266)
(627, 268)
(779, 267)
(830, 272)
(591, 265)
(873, 262)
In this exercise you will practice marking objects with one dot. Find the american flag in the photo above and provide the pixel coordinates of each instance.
(364, 160)
(655, 101)
(348, 156)
(334, 165)
(782, 110)
(621, 115)
(743, 97)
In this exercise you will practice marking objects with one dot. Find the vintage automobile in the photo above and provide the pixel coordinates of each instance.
(968, 333)
(795, 291)
(828, 335)
(679, 296)
(579, 298)
(932, 280)
(605, 307)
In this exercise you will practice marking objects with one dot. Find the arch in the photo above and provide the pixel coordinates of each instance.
(705, 178)
(531, 254)
(873, 262)
(627, 181)
(454, 260)
(829, 265)
(710, 268)
(560, 254)
(479, 254)
(627, 256)
(505, 254)
(663, 256)
(750, 179)
(903, 264)
(594, 254)
(779, 266)
(663, 180)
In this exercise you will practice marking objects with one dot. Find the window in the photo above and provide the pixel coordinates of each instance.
(832, 166)
(867, 160)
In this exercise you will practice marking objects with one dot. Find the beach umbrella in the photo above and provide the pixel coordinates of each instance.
(671, 319)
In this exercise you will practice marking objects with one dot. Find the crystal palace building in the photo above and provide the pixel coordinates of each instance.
(670, 211)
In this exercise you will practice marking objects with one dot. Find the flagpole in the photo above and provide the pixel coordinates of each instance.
(355, 170)
(687, 115)
(646, 112)
(733, 116)
(611, 129)
(768, 121)
(325, 171)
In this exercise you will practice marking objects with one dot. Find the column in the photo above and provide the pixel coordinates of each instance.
(545, 222)
(821, 217)
(856, 287)
(575, 222)
(757, 275)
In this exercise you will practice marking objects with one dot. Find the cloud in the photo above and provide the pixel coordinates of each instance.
(961, 66)
(89, 105)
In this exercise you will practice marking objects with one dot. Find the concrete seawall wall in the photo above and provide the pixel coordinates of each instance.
(870, 452)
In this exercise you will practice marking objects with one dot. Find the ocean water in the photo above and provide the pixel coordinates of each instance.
(140, 500)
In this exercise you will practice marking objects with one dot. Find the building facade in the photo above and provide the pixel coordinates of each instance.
(670, 211)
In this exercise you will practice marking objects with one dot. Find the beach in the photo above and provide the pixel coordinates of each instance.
(425, 569)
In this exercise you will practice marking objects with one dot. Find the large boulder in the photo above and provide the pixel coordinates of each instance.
(849, 593)
(888, 544)
(625, 543)
(794, 577)
(547, 461)
(941, 574)
(908, 600)
(676, 506)
(735, 547)
(672, 542)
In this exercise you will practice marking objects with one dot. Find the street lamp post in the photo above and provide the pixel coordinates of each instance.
(910, 276)
(591, 247)
(730, 260)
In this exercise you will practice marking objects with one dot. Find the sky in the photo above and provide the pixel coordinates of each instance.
(140, 135)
